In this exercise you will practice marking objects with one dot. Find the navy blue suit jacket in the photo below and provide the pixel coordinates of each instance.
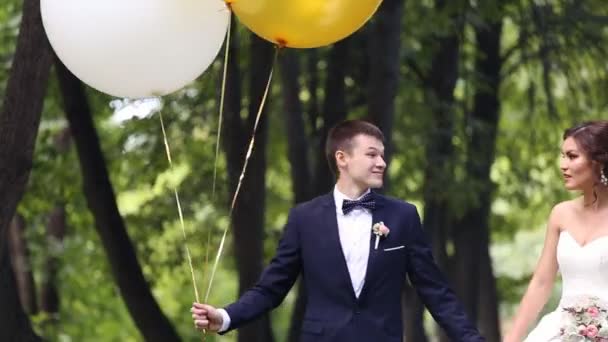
(311, 246)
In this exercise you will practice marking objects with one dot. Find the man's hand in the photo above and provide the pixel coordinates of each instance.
(206, 317)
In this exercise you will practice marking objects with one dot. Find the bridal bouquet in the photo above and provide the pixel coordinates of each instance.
(586, 320)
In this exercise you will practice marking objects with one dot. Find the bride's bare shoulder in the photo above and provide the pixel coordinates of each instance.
(565, 206)
(561, 212)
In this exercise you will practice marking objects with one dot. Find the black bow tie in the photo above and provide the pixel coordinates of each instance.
(367, 201)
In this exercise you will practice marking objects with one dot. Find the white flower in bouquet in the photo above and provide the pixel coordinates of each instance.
(585, 321)
(604, 330)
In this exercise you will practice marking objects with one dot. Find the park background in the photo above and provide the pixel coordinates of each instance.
(473, 97)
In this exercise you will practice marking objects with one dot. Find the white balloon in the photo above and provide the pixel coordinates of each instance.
(136, 48)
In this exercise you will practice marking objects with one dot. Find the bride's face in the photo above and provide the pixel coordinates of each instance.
(576, 167)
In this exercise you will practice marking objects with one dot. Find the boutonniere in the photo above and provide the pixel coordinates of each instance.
(380, 230)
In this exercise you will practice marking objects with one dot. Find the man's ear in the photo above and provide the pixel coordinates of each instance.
(340, 159)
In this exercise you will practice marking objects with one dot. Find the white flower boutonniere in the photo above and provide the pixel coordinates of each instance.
(380, 230)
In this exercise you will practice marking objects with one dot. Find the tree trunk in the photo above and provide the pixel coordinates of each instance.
(413, 316)
(334, 111)
(439, 150)
(248, 216)
(489, 40)
(19, 121)
(312, 85)
(56, 227)
(22, 266)
(233, 130)
(55, 232)
(297, 144)
(471, 238)
(297, 153)
(489, 317)
(384, 45)
(135, 291)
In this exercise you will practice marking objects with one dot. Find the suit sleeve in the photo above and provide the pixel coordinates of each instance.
(432, 287)
(275, 282)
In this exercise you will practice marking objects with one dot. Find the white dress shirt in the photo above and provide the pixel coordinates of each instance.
(354, 230)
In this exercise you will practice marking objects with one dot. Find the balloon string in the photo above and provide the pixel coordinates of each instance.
(219, 134)
(179, 206)
(222, 99)
(242, 176)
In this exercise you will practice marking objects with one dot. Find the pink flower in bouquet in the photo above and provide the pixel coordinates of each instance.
(593, 311)
(591, 331)
(587, 321)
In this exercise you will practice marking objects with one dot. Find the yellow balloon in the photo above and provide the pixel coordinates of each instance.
(303, 23)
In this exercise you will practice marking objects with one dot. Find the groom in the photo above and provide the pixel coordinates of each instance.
(354, 249)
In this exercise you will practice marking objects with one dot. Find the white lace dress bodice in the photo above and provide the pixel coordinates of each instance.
(584, 271)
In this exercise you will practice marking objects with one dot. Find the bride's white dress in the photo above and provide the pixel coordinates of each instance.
(584, 271)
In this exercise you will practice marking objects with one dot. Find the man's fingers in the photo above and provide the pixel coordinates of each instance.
(201, 323)
(197, 305)
(202, 306)
(203, 315)
(207, 308)
(199, 317)
(199, 311)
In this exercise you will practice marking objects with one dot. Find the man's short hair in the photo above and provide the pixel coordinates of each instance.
(340, 138)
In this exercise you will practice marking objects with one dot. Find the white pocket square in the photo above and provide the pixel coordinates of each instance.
(394, 248)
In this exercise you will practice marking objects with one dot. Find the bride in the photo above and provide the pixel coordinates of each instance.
(576, 242)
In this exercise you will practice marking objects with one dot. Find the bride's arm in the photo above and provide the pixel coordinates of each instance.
(541, 285)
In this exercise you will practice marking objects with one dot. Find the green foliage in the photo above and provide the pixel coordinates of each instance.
(10, 17)
(525, 176)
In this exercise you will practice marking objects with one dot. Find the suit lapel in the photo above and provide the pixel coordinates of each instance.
(334, 248)
(379, 214)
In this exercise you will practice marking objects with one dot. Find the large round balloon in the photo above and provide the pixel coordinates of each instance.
(303, 23)
(136, 48)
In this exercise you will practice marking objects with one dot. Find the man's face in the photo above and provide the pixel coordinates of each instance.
(364, 163)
